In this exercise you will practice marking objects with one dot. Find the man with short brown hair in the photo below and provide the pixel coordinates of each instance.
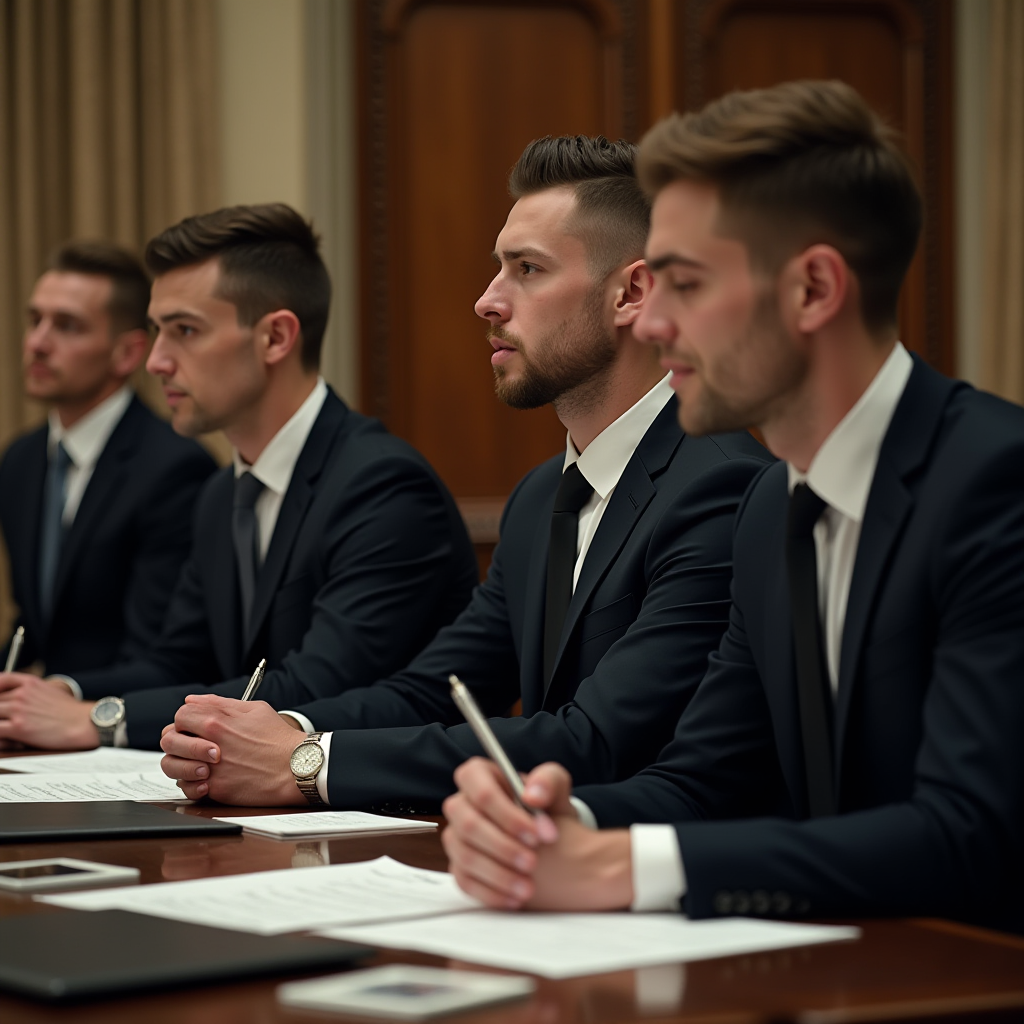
(855, 746)
(96, 506)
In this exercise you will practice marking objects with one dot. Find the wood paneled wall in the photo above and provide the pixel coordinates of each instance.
(451, 92)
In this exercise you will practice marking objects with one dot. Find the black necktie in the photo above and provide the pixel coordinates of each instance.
(573, 493)
(813, 687)
(246, 537)
(52, 533)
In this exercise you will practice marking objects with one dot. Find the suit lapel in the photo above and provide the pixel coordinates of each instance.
(103, 485)
(296, 502)
(904, 449)
(27, 555)
(633, 493)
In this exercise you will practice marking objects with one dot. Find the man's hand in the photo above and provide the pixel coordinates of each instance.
(508, 858)
(42, 713)
(234, 752)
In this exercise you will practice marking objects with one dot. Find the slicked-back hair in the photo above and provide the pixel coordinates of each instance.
(269, 259)
(798, 164)
(129, 284)
(612, 214)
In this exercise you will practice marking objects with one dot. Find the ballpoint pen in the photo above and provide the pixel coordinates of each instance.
(17, 641)
(254, 682)
(485, 735)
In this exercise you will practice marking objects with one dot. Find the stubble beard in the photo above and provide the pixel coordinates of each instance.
(573, 367)
(784, 367)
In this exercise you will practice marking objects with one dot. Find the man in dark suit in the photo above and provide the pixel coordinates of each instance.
(330, 548)
(855, 748)
(604, 657)
(95, 506)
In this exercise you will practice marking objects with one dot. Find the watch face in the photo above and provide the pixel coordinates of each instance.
(107, 713)
(307, 759)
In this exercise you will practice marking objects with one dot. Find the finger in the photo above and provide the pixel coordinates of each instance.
(194, 790)
(12, 680)
(193, 748)
(212, 700)
(475, 830)
(483, 785)
(548, 786)
(485, 895)
(166, 729)
(476, 870)
(183, 770)
(194, 719)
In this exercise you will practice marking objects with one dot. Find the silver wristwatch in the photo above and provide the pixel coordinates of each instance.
(306, 761)
(107, 714)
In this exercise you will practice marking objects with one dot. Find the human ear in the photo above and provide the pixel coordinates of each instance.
(635, 282)
(129, 352)
(819, 283)
(280, 333)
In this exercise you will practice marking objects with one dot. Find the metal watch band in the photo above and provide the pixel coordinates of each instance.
(307, 787)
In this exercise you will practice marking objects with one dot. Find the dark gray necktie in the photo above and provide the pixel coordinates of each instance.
(245, 533)
(813, 688)
(52, 529)
(573, 493)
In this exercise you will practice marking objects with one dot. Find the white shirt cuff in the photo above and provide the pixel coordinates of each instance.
(584, 813)
(321, 779)
(659, 879)
(304, 722)
(76, 690)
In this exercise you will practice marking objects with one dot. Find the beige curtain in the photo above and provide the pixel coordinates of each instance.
(1002, 338)
(107, 130)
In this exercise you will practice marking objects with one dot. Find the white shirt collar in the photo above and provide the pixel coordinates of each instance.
(844, 466)
(604, 460)
(85, 440)
(276, 462)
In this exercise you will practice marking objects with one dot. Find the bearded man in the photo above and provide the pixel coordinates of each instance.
(610, 584)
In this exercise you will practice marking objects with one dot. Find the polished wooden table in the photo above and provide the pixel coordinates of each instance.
(897, 970)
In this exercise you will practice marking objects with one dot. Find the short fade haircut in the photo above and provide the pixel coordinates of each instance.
(129, 285)
(798, 164)
(269, 259)
(612, 215)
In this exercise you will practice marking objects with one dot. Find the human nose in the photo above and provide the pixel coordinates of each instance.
(160, 363)
(37, 338)
(492, 305)
(654, 326)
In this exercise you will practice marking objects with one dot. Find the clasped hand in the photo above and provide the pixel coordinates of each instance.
(42, 713)
(509, 859)
(233, 752)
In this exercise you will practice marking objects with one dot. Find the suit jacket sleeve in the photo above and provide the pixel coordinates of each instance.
(950, 846)
(619, 714)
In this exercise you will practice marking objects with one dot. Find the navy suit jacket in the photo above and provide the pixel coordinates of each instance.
(651, 601)
(929, 751)
(368, 559)
(123, 551)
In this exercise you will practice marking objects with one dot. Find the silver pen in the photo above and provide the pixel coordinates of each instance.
(483, 732)
(17, 642)
(254, 682)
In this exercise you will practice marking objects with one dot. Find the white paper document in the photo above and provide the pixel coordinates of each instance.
(102, 759)
(566, 945)
(289, 900)
(324, 824)
(81, 787)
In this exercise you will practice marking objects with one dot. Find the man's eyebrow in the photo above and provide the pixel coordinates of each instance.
(672, 260)
(178, 314)
(527, 252)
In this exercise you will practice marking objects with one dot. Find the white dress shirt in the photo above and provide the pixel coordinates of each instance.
(276, 463)
(841, 473)
(602, 463)
(84, 442)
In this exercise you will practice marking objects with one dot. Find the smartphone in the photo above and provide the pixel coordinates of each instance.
(61, 873)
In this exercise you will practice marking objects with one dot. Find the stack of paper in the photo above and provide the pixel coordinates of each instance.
(102, 759)
(566, 945)
(79, 787)
(290, 900)
(325, 824)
